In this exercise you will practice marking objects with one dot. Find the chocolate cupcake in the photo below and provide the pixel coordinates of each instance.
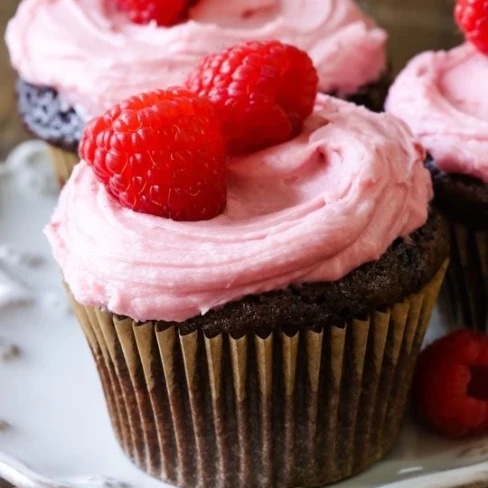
(441, 96)
(274, 344)
(76, 58)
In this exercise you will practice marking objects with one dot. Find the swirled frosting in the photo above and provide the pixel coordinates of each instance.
(309, 210)
(441, 95)
(96, 58)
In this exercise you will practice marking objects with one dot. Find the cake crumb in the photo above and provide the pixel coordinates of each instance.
(8, 351)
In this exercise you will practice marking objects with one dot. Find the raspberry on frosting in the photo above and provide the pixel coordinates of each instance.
(160, 153)
(472, 18)
(263, 92)
(163, 152)
(163, 12)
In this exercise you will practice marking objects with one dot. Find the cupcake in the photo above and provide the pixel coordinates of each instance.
(441, 97)
(77, 58)
(255, 318)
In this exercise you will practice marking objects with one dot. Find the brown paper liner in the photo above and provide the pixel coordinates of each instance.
(63, 163)
(277, 411)
(464, 296)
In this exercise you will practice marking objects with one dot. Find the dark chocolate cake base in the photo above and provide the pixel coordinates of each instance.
(47, 117)
(464, 201)
(461, 198)
(373, 95)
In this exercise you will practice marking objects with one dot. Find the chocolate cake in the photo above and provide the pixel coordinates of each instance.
(373, 95)
(47, 117)
(461, 197)
(464, 201)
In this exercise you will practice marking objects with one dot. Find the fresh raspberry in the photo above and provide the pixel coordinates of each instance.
(263, 91)
(160, 153)
(164, 12)
(472, 18)
(450, 388)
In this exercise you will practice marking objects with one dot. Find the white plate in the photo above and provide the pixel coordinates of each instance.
(50, 393)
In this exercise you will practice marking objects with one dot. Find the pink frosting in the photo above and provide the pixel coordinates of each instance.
(96, 59)
(312, 209)
(442, 96)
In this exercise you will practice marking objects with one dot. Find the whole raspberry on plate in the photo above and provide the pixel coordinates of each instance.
(160, 153)
(472, 18)
(262, 90)
(163, 12)
(450, 389)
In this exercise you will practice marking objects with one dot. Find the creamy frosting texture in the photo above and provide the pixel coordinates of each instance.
(312, 209)
(442, 96)
(96, 58)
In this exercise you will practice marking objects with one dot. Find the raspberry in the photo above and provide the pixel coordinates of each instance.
(472, 18)
(164, 12)
(263, 91)
(160, 153)
(450, 389)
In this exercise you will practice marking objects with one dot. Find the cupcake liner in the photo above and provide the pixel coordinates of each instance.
(464, 296)
(63, 163)
(273, 411)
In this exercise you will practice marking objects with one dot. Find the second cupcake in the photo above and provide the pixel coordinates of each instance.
(76, 58)
(441, 96)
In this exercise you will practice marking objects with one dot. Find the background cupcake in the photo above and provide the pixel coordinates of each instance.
(441, 96)
(76, 58)
(273, 343)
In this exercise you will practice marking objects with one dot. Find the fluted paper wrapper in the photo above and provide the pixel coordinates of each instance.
(63, 163)
(464, 296)
(275, 411)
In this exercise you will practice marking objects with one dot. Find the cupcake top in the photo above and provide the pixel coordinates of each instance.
(308, 210)
(95, 57)
(441, 96)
